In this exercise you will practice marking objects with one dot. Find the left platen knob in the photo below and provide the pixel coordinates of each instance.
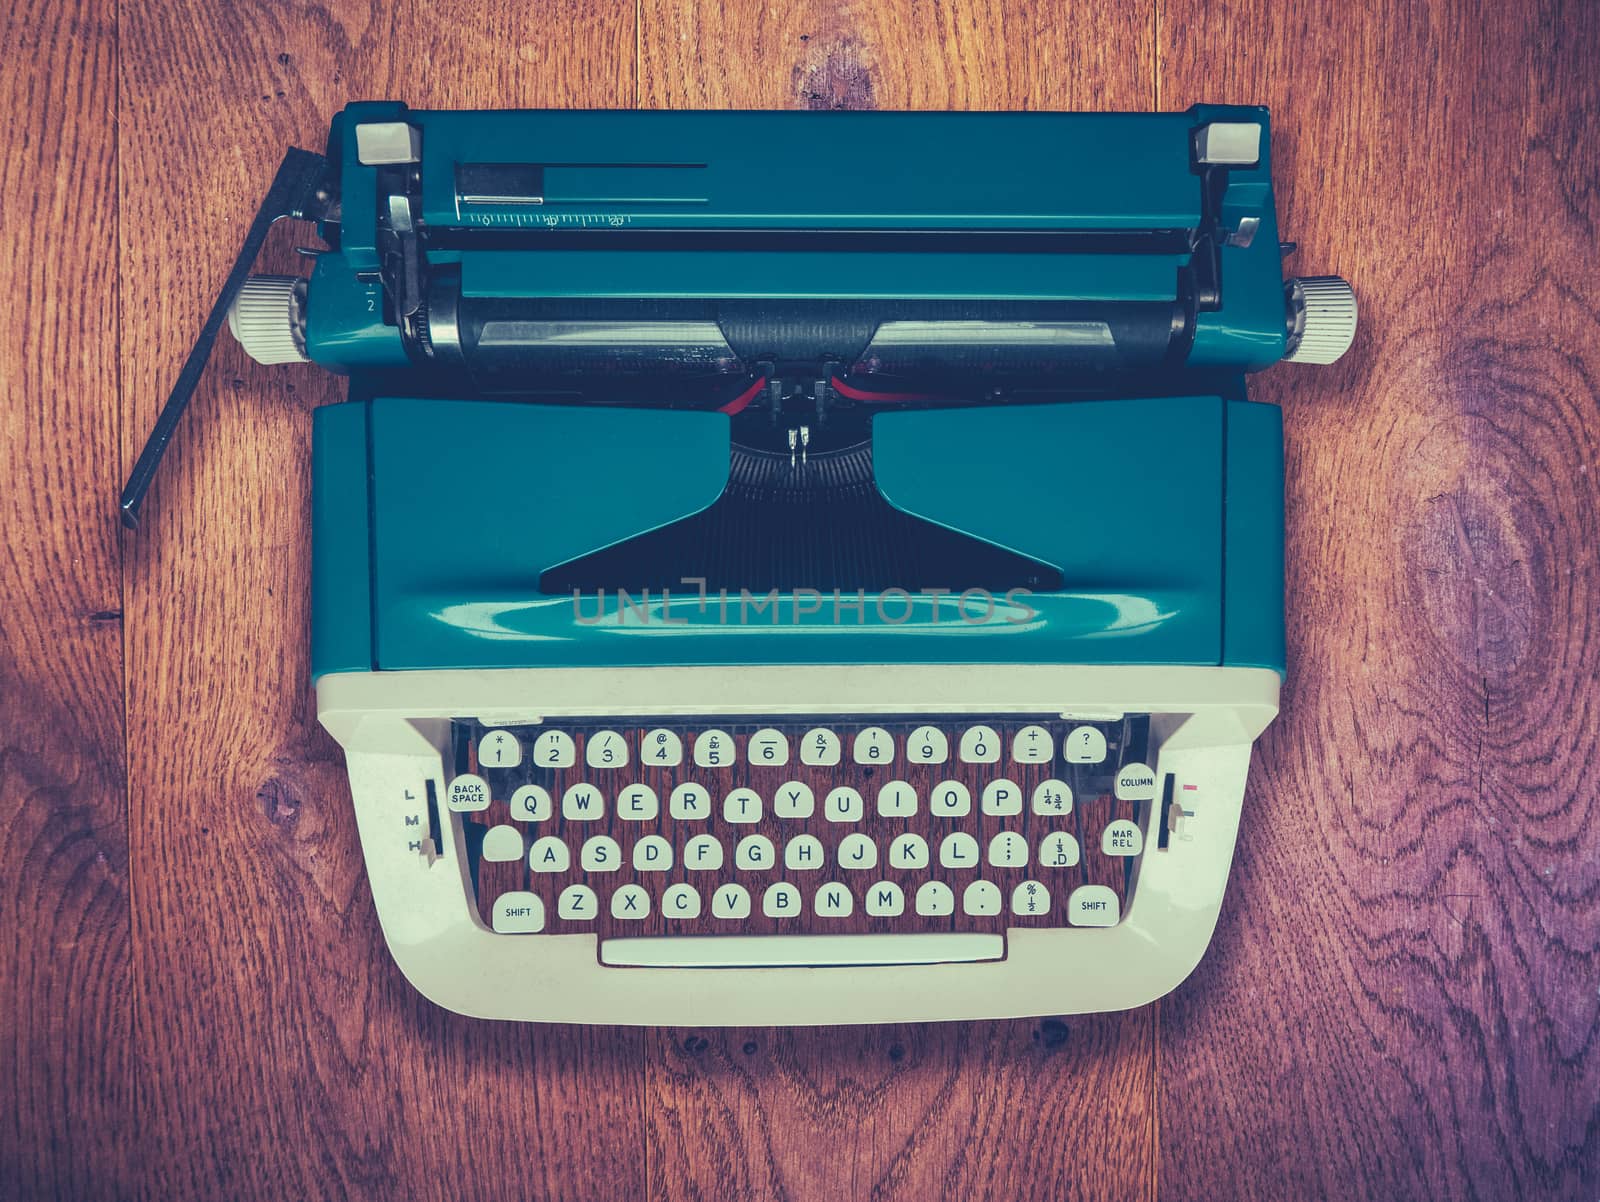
(268, 318)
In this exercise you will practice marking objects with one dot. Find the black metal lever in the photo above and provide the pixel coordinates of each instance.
(299, 189)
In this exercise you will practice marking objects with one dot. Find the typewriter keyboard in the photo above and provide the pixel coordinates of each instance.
(914, 825)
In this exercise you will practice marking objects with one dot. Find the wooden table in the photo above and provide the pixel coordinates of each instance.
(1401, 999)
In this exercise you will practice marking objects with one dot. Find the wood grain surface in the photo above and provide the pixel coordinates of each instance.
(1401, 1001)
(1432, 1031)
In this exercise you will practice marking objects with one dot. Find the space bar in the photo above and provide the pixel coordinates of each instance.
(798, 951)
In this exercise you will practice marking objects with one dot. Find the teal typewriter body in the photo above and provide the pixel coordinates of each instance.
(792, 567)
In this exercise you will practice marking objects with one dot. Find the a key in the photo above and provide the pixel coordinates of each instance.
(549, 854)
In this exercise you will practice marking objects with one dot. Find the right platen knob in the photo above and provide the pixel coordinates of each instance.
(1322, 318)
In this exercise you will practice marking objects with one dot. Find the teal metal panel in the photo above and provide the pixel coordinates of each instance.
(1124, 497)
(1252, 633)
(475, 499)
(345, 330)
(802, 274)
(341, 597)
(817, 171)
(822, 170)
(358, 185)
(1249, 331)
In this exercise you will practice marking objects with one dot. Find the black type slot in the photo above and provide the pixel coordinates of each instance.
(434, 831)
(569, 237)
(500, 183)
(1163, 832)
(508, 345)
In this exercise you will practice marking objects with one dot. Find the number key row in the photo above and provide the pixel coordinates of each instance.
(820, 747)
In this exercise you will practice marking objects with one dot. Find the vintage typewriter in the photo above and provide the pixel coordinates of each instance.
(791, 567)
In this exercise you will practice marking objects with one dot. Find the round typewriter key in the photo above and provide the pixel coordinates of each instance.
(606, 749)
(927, 745)
(1008, 850)
(1084, 745)
(582, 803)
(959, 850)
(781, 900)
(980, 745)
(819, 748)
(950, 799)
(680, 901)
(768, 748)
(638, 803)
(754, 853)
(502, 844)
(1059, 850)
(1002, 798)
(714, 749)
(908, 851)
(803, 853)
(1030, 897)
(742, 806)
(1135, 782)
(981, 899)
(661, 749)
(518, 913)
(630, 902)
(577, 903)
(702, 854)
(600, 854)
(730, 902)
(886, 900)
(934, 898)
(1093, 906)
(499, 749)
(652, 854)
(834, 900)
(1122, 838)
(554, 749)
(549, 854)
(1033, 745)
(856, 851)
(874, 745)
(467, 794)
(843, 805)
(689, 801)
(794, 799)
(1052, 797)
(530, 803)
(897, 799)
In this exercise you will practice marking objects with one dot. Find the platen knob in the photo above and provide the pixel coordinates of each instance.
(268, 318)
(1322, 318)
